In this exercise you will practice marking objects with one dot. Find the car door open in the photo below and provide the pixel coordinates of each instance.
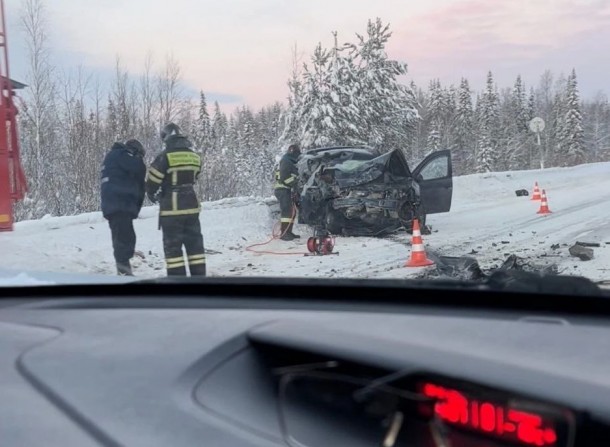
(435, 178)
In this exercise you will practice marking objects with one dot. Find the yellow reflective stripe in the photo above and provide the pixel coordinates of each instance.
(199, 262)
(5, 218)
(180, 212)
(174, 201)
(155, 172)
(286, 220)
(154, 179)
(194, 257)
(281, 185)
(290, 179)
(183, 158)
(177, 259)
(174, 178)
(176, 265)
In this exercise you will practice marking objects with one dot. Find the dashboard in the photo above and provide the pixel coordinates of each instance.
(140, 366)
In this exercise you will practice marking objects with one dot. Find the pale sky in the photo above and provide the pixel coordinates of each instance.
(239, 51)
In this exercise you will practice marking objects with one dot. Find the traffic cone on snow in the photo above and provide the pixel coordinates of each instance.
(536, 193)
(544, 204)
(418, 253)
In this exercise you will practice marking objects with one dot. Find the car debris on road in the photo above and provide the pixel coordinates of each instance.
(468, 268)
(582, 252)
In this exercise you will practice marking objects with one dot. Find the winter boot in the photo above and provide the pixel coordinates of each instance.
(124, 269)
(294, 236)
(285, 232)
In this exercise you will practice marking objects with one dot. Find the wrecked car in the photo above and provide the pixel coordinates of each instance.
(359, 192)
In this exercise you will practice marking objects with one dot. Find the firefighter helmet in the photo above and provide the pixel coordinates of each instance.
(169, 129)
(294, 149)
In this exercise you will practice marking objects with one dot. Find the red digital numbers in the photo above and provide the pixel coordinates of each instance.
(522, 427)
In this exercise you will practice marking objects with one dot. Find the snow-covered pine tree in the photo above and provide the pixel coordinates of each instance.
(514, 128)
(519, 104)
(217, 165)
(507, 132)
(531, 106)
(486, 153)
(269, 121)
(346, 109)
(596, 116)
(436, 114)
(390, 107)
(420, 134)
(203, 128)
(218, 128)
(434, 138)
(449, 112)
(531, 146)
(316, 124)
(488, 128)
(201, 136)
(573, 145)
(557, 134)
(463, 147)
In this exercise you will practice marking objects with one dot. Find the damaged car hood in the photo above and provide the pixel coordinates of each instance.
(355, 168)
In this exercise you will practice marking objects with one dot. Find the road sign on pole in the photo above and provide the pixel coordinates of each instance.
(537, 126)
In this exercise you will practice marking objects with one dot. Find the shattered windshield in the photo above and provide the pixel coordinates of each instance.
(307, 139)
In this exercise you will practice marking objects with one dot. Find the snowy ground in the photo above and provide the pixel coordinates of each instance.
(486, 217)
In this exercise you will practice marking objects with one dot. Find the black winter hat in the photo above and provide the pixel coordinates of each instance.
(136, 147)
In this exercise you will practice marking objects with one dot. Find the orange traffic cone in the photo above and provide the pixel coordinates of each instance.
(536, 193)
(418, 253)
(544, 205)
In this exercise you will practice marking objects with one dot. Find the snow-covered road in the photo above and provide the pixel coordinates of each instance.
(486, 217)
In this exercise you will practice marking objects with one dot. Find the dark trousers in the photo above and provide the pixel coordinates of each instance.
(284, 196)
(184, 231)
(123, 237)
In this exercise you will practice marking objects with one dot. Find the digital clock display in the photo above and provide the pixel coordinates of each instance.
(462, 409)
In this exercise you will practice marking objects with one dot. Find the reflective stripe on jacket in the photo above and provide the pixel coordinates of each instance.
(173, 175)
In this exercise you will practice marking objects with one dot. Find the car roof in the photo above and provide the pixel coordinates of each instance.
(336, 149)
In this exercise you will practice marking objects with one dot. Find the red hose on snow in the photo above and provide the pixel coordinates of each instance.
(276, 234)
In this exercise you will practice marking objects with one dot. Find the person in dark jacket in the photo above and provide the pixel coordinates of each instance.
(122, 194)
(171, 182)
(286, 183)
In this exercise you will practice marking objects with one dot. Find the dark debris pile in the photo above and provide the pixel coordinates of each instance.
(467, 268)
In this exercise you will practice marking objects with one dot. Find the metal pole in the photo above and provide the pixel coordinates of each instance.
(540, 150)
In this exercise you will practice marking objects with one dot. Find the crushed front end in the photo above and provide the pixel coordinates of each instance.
(350, 193)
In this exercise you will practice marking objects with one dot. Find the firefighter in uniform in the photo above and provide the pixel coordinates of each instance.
(170, 181)
(286, 177)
